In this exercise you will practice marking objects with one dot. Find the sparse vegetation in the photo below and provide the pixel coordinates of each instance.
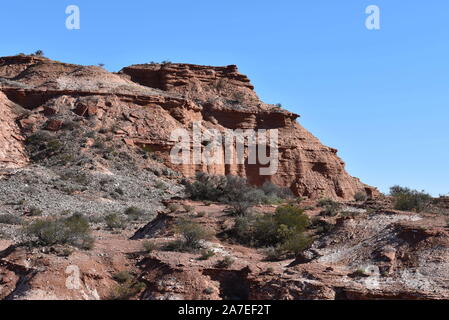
(406, 199)
(284, 231)
(192, 234)
(188, 208)
(123, 276)
(225, 263)
(134, 213)
(321, 226)
(114, 221)
(206, 254)
(235, 191)
(128, 286)
(149, 246)
(172, 207)
(360, 196)
(38, 53)
(10, 219)
(330, 207)
(73, 230)
(201, 214)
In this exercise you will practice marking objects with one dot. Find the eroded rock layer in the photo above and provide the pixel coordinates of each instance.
(143, 104)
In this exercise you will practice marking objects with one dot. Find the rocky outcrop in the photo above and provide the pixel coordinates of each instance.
(145, 103)
(12, 153)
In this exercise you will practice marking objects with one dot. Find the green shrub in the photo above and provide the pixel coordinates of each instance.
(172, 207)
(192, 234)
(206, 254)
(123, 276)
(225, 263)
(188, 208)
(161, 185)
(273, 253)
(201, 214)
(295, 244)
(42, 145)
(406, 199)
(360, 196)
(127, 290)
(283, 231)
(10, 219)
(114, 221)
(234, 191)
(134, 213)
(149, 246)
(321, 226)
(206, 187)
(35, 212)
(275, 193)
(330, 207)
(38, 53)
(74, 230)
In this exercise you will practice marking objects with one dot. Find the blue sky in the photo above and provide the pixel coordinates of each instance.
(380, 97)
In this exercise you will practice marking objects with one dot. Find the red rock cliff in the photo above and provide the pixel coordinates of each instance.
(144, 103)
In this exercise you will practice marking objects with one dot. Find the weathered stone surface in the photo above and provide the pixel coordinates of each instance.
(145, 103)
(12, 153)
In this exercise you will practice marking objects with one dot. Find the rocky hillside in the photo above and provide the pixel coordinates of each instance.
(142, 104)
(91, 207)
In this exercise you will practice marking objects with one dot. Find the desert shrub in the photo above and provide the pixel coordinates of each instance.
(360, 196)
(225, 263)
(206, 187)
(349, 214)
(234, 191)
(295, 244)
(10, 219)
(134, 213)
(38, 53)
(201, 214)
(35, 212)
(273, 253)
(114, 221)
(128, 289)
(206, 254)
(275, 193)
(74, 230)
(330, 207)
(283, 231)
(123, 276)
(321, 226)
(192, 234)
(149, 246)
(160, 185)
(188, 208)
(173, 207)
(406, 199)
(42, 145)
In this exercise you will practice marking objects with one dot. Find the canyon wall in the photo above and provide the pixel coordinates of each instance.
(143, 104)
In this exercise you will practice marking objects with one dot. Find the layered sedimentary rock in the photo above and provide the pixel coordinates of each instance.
(143, 104)
(12, 154)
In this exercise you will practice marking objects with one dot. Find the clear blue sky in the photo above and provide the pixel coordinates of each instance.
(380, 97)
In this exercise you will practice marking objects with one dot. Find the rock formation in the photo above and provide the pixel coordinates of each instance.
(144, 103)
(87, 151)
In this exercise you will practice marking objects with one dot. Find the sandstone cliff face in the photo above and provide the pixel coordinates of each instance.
(145, 103)
(12, 153)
